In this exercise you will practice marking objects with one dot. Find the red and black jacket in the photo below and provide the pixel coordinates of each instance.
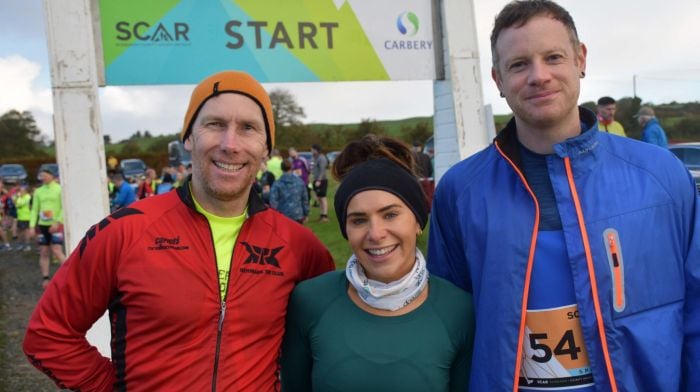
(153, 266)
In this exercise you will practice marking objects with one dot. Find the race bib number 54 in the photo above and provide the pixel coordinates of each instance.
(554, 352)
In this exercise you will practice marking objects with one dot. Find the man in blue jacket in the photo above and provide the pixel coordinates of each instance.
(125, 194)
(652, 131)
(581, 249)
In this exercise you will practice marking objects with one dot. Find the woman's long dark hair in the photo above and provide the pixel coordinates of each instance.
(372, 147)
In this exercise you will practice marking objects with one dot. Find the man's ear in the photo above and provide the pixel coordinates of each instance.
(581, 57)
(496, 78)
(188, 142)
(266, 150)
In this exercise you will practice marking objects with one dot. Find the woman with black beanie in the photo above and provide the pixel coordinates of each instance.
(383, 323)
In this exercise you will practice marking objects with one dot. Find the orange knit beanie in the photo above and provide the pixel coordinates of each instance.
(230, 82)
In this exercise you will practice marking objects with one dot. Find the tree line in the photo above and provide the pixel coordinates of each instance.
(681, 121)
(23, 140)
(20, 135)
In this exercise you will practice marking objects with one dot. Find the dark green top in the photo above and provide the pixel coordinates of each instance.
(333, 345)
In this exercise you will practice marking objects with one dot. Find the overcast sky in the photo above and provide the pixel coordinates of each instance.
(653, 39)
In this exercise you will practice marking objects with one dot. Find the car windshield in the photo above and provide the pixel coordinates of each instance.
(688, 154)
(133, 165)
(50, 166)
(11, 169)
(332, 155)
(692, 156)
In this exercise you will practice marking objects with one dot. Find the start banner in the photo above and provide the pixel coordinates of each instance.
(147, 42)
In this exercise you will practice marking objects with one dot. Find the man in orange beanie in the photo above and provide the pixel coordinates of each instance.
(196, 281)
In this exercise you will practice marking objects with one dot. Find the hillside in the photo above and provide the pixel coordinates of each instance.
(680, 120)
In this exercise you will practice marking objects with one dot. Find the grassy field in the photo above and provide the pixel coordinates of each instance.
(329, 233)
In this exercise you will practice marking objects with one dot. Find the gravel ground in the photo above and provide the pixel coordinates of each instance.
(20, 289)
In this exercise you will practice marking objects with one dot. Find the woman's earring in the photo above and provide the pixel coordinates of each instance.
(583, 74)
(501, 94)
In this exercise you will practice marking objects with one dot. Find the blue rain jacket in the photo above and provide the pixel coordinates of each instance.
(643, 334)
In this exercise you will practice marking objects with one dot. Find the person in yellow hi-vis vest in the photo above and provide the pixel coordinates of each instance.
(22, 200)
(606, 117)
(47, 215)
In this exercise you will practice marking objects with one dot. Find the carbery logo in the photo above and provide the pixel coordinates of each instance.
(407, 23)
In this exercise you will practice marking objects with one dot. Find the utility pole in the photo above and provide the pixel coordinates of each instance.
(634, 86)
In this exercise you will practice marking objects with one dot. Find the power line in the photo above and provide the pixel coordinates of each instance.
(666, 79)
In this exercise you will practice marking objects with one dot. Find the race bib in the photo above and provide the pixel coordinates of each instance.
(46, 215)
(554, 351)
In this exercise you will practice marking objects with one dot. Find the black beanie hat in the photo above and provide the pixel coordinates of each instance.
(385, 175)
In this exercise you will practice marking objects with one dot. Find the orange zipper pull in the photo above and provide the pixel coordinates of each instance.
(615, 260)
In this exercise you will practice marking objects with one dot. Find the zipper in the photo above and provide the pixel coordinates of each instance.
(222, 309)
(519, 355)
(591, 274)
(612, 240)
(222, 315)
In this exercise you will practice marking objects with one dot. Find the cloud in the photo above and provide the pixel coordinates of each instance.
(343, 102)
(139, 102)
(158, 109)
(18, 76)
(21, 91)
(635, 46)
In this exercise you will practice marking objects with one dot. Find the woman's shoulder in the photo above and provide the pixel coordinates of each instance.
(324, 282)
(447, 296)
(319, 291)
(454, 308)
(312, 298)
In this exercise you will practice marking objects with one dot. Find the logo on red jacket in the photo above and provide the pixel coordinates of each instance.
(168, 243)
(258, 255)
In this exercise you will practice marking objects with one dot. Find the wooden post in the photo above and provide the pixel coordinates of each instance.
(77, 127)
(460, 120)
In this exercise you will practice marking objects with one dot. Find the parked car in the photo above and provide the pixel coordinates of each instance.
(132, 168)
(429, 146)
(689, 154)
(331, 156)
(13, 173)
(177, 154)
(52, 167)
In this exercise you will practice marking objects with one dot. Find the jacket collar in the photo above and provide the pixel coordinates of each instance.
(584, 143)
(651, 122)
(255, 203)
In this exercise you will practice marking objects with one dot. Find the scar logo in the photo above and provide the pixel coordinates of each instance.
(162, 33)
(262, 256)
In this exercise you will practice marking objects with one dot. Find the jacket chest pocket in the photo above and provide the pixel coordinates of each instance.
(639, 266)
